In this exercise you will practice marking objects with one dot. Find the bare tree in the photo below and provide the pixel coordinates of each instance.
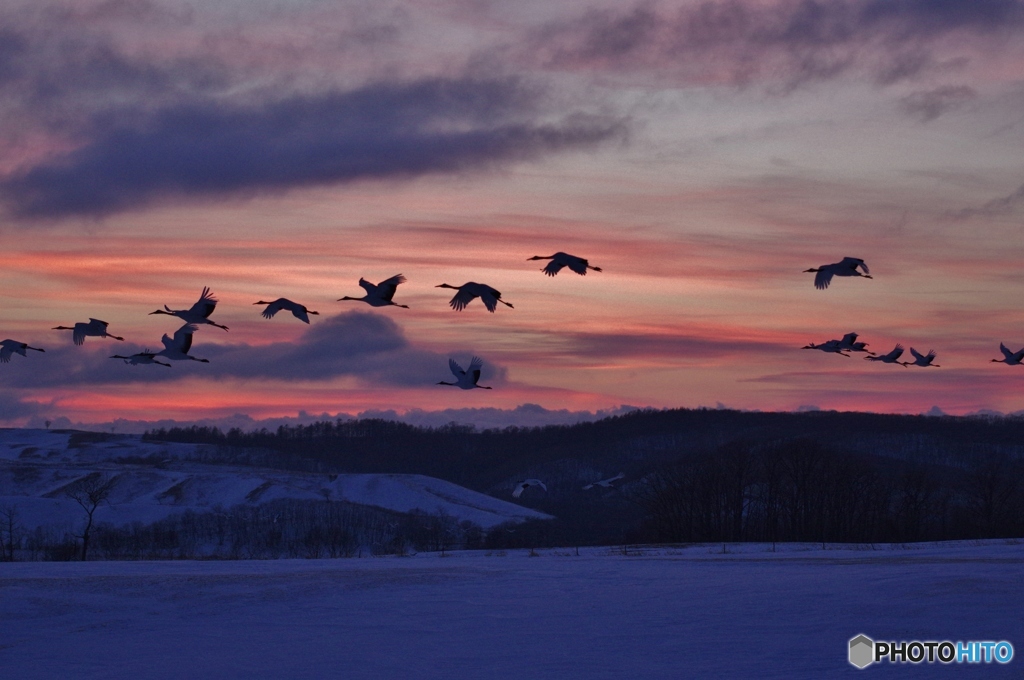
(90, 492)
(10, 532)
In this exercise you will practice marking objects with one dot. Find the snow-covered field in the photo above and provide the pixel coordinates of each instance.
(692, 612)
(155, 479)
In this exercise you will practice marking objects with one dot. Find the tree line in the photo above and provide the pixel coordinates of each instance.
(284, 528)
(478, 459)
(803, 490)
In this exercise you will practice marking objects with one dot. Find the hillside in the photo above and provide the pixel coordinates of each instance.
(151, 482)
(695, 474)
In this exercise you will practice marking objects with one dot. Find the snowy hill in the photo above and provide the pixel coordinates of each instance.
(152, 481)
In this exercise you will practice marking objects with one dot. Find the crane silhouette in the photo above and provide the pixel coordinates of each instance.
(849, 344)
(198, 314)
(10, 347)
(526, 484)
(891, 358)
(560, 260)
(467, 291)
(139, 358)
(1010, 358)
(846, 267)
(94, 329)
(605, 483)
(381, 294)
(300, 312)
(832, 346)
(924, 360)
(466, 379)
(176, 348)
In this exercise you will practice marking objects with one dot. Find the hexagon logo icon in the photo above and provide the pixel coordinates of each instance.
(862, 651)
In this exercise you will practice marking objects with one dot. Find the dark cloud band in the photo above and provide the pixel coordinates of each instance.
(131, 157)
(787, 42)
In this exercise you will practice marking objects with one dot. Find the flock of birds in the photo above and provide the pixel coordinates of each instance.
(852, 266)
(849, 344)
(178, 345)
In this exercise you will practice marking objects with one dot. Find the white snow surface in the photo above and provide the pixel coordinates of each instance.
(155, 480)
(690, 612)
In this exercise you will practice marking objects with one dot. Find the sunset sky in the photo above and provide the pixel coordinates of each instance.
(703, 154)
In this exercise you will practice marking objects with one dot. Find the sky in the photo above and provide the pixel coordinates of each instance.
(702, 154)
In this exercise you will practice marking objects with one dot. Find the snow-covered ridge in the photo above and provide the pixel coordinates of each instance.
(154, 480)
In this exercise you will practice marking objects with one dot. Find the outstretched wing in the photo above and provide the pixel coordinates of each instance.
(474, 368)
(490, 299)
(78, 334)
(463, 298)
(272, 309)
(205, 305)
(896, 352)
(388, 287)
(823, 278)
(553, 267)
(299, 311)
(1006, 351)
(848, 339)
(918, 355)
(367, 286)
(578, 265)
(5, 354)
(854, 262)
(518, 491)
(183, 338)
(454, 367)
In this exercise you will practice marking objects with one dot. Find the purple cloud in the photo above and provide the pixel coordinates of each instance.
(694, 347)
(789, 42)
(12, 407)
(1003, 205)
(130, 157)
(368, 346)
(928, 105)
